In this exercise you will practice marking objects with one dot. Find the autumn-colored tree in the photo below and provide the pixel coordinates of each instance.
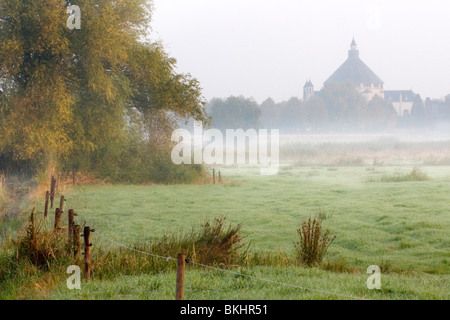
(76, 93)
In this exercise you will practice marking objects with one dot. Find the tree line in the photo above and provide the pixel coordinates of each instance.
(338, 107)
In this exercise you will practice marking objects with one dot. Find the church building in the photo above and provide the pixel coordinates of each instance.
(366, 81)
(353, 69)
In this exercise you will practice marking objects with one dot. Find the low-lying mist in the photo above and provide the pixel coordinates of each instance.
(432, 149)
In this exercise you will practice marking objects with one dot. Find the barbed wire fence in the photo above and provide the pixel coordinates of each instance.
(227, 271)
(74, 239)
(236, 273)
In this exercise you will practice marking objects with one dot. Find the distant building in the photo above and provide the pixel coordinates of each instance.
(308, 90)
(402, 100)
(354, 69)
(368, 84)
(438, 109)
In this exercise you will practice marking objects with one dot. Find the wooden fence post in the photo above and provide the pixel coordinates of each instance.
(180, 276)
(214, 176)
(70, 227)
(87, 252)
(33, 230)
(52, 191)
(47, 197)
(76, 240)
(220, 177)
(58, 216)
(61, 204)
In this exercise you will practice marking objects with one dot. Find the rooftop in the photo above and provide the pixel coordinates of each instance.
(354, 69)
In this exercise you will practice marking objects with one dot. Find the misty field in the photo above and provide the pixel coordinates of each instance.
(379, 214)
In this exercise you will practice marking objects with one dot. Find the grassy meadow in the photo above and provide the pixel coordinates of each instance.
(393, 215)
(405, 223)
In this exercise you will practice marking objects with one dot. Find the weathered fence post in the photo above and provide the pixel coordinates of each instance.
(47, 197)
(214, 176)
(58, 216)
(61, 204)
(52, 191)
(87, 252)
(70, 227)
(32, 230)
(180, 276)
(220, 177)
(76, 240)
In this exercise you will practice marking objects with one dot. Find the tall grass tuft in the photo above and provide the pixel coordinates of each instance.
(338, 266)
(215, 242)
(415, 175)
(41, 247)
(314, 242)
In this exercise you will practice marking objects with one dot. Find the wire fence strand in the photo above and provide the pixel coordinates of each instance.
(136, 250)
(168, 258)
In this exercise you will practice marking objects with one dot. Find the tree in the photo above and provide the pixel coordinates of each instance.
(270, 114)
(36, 104)
(379, 114)
(344, 104)
(75, 93)
(293, 114)
(235, 113)
(418, 114)
(317, 114)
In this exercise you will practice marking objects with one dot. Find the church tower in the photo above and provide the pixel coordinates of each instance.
(308, 90)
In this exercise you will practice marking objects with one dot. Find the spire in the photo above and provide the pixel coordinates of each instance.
(353, 53)
(354, 46)
(308, 84)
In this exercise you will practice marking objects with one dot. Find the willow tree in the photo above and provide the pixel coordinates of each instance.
(72, 93)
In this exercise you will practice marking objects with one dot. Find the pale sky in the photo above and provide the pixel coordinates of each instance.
(269, 48)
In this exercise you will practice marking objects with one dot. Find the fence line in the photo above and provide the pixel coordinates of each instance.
(136, 250)
(233, 272)
(276, 282)
(168, 258)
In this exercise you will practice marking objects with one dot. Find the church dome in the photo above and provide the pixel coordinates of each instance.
(354, 69)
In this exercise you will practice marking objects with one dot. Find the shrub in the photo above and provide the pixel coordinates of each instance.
(313, 243)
